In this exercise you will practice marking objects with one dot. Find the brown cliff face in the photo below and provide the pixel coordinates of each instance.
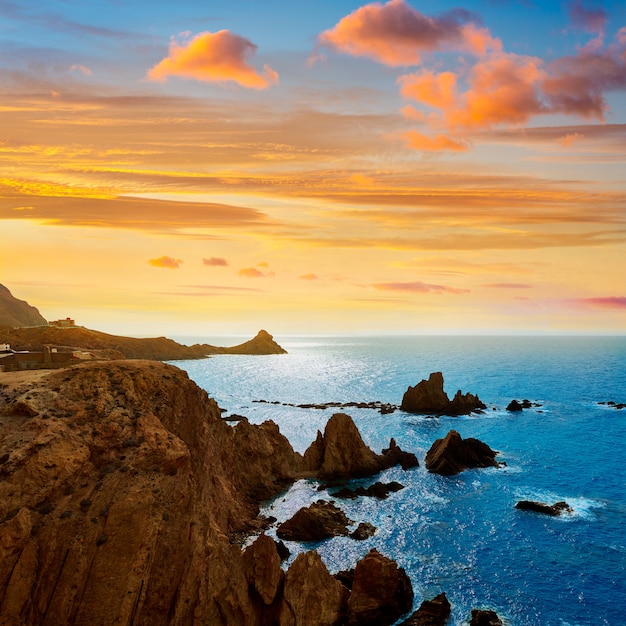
(14, 312)
(428, 396)
(117, 499)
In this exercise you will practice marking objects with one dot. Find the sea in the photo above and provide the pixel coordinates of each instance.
(462, 534)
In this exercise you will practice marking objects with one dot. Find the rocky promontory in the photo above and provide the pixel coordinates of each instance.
(157, 348)
(428, 397)
(122, 494)
(15, 312)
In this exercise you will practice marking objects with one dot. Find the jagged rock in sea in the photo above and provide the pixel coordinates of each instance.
(433, 612)
(14, 312)
(363, 531)
(312, 595)
(428, 397)
(381, 592)
(340, 453)
(553, 510)
(395, 456)
(453, 454)
(484, 617)
(315, 522)
(514, 406)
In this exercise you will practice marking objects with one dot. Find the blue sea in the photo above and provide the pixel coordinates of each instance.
(462, 534)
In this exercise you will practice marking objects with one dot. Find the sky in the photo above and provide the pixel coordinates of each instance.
(207, 168)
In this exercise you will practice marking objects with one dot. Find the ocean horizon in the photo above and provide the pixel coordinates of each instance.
(462, 535)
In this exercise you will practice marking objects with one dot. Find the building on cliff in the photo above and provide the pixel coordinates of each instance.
(49, 358)
(68, 322)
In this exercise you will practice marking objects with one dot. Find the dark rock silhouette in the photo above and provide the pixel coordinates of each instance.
(514, 406)
(453, 454)
(395, 456)
(428, 396)
(381, 592)
(433, 612)
(482, 617)
(14, 312)
(340, 453)
(377, 490)
(316, 522)
(363, 531)
(553, 510)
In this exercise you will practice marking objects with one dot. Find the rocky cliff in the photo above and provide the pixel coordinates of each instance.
(122, 493)
(157, 348)
(14, 312)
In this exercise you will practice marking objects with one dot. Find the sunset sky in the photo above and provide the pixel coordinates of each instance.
(330, 167)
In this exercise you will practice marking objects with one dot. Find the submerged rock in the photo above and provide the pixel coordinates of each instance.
(453, 454)
(381, 592)
(316, 522)
(433, 612)
(554, 510)
(428, 396)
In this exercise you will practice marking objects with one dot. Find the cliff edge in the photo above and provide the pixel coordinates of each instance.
(14, 312)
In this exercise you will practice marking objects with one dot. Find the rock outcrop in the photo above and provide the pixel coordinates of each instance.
(485, 617)
(453, 454)
(377, 490)
(554, 510)
(118, 494)
(428, 397)
(14, 312)
(340, 453)
(433, 612)
(315, 522)
(381, 592)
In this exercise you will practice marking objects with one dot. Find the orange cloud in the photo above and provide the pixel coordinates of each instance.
(166, 261)
(253, 272)
(396, 34)
(439, 143)
(215, 262)
(508, 286)
(435, 90)
(418, 287)
(309, 277)
(214, 57)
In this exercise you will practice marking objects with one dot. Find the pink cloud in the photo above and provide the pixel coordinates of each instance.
(418, 287)
(214, 57)
(396, 34)
(609, 302)
(593, 20)
(166, 261)
(215, 262)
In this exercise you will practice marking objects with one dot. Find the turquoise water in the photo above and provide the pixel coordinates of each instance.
(462, 534)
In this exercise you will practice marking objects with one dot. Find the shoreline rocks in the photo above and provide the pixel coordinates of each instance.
(433, 612)
(453, 454)
(316, 522)
(428, 397)
(378, 490)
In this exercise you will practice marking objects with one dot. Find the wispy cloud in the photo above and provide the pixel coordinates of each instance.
(418, 287)
(608, 302)
(166, 261)
(253, 272)
(309, 277)
(508, 286)
(219, 57)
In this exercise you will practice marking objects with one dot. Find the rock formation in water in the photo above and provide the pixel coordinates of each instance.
(315, 522)
(14, 312)
(484, 617)
(433, 612)
(553, 510)
(157, 348)
(453, 454)
(378, 490)
(121, 494)
(428, 397)
(340, 453)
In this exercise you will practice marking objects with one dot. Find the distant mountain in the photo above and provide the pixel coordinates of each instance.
(156, 348)
(14, 312)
